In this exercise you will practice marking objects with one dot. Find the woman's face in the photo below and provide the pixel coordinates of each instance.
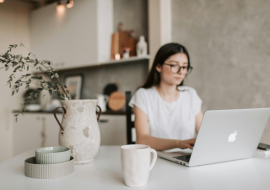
(168, 71)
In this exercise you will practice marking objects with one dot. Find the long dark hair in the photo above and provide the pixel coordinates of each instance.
(164, 53)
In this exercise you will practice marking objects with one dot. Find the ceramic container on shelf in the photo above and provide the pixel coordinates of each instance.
(79, 129)
(52, 155)
(141, 47)
(102, 101)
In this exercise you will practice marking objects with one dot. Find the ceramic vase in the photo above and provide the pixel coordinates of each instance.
(79, 129)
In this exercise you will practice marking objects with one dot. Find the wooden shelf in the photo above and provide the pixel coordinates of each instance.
(111, 62)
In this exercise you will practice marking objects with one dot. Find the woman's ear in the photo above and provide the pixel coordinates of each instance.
(158, 68)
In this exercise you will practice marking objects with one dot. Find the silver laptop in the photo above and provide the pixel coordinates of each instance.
(224, 135)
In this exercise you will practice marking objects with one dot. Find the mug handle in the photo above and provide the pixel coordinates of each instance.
(99, 113)
(65, 115)
(153, 159)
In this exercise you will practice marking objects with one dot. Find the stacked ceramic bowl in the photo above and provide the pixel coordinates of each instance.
(49, 162)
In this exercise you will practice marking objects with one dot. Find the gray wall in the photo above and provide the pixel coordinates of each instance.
(133, 14)
(228, 42)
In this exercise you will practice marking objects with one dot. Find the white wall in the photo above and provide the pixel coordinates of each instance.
(14, 28)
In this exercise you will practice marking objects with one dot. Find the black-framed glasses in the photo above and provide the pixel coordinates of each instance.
(176, 69)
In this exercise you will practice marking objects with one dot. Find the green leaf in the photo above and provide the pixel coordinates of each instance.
(13, 92)
(16, 69)
(14, 63)
(36, 62)
(56, 75)
(36, 77)
(27, 67)
(7, 67)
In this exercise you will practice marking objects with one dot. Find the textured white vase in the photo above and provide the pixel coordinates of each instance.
(79, 129)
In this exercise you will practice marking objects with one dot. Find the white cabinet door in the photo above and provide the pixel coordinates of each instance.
(27, 133)
(33, 131)
(52, 129)
(113, 129)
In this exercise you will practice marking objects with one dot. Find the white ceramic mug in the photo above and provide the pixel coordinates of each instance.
(136, 164)
(102, 101)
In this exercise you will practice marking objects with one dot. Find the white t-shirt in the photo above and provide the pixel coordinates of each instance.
(175, 120)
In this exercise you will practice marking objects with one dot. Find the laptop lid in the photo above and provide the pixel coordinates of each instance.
(227, 135)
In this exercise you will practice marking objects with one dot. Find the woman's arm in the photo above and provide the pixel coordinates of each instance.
(199, 117)
(144, 137)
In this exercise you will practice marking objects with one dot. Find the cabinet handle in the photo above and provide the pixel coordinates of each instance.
(103, 121)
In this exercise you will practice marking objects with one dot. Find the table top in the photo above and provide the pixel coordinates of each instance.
(105, 173)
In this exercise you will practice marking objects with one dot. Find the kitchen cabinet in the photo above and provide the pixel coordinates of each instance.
(34, 130)
(113, 129)
(76, 37)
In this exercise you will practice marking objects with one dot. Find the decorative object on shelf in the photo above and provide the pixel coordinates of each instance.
(117, 56)
(123, 39)
(79, 129)
(108, 89)
(126, 52)
(74, 85)
(117, 101)
(22, 64)
(54, 104)
(141, 47)
(102, 101)
(70, 3)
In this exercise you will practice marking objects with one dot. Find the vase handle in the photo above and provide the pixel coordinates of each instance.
(65, 115)
(98, 113)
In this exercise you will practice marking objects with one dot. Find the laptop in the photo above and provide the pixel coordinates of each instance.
(224, 135)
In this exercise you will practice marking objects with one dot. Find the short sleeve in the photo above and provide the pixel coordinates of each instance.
(139, 100)
(196, 102)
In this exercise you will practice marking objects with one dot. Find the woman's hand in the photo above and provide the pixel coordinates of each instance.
(186, 143)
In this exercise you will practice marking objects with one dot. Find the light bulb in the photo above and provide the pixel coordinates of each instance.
(60, 8)
(117, 56)
(2, 1)
(70, 3)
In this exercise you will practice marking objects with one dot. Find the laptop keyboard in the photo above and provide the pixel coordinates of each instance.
(185, 158)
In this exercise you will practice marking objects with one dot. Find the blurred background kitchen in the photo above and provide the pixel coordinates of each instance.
(104, 49)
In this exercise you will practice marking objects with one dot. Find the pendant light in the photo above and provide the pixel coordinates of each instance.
(2, 1)
(70, 4)
(60, 7)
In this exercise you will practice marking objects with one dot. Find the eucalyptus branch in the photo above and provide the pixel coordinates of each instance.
(20, 63)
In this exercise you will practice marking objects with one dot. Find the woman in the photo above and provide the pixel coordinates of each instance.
(167, 114)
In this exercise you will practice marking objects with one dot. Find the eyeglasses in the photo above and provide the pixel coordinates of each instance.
(176, 69)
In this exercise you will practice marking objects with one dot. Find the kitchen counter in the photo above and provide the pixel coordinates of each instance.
(105, 173)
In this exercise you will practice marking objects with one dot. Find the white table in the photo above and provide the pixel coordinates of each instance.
(105, 173)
